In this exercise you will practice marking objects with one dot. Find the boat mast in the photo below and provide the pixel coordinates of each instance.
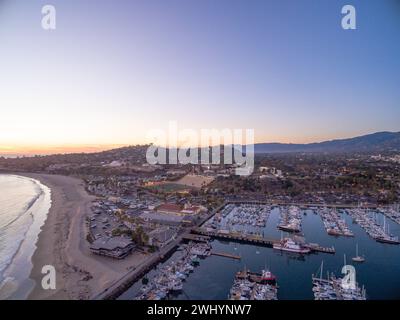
(384, 223)
(388, 229)
(322, 267)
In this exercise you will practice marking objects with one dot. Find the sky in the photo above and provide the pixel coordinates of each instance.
(113, 70)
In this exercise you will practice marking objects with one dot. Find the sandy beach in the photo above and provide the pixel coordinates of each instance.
(62, 244)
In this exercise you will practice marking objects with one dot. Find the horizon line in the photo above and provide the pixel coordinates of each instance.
(63, 149)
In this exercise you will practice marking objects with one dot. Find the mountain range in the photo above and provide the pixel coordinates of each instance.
(375, 142)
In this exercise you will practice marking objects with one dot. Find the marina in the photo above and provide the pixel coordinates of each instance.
(367, 220)
(243, 218)
(200, 150)
(393, 213)
(212, 275)
(170, 277)
(290, 219)
(334, 224)
(333, 288)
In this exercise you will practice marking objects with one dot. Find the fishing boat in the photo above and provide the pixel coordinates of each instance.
(254, 286)
(288, 244)
(267, 277)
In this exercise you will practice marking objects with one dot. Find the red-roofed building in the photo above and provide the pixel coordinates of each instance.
(171, 208)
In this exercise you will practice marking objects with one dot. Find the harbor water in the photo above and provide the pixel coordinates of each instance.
(379, 274)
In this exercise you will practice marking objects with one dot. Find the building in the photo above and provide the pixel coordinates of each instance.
(116, 247)
(279, 174)
(172, 214)
(162, 218)
(189, 220)
(169, 208)
(175, 209)
(161, 236)
(193, 210)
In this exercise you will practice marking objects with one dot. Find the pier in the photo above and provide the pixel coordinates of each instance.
(255, 240)
(122, 284)
(195, 237)
(236, 237)
(317, 248)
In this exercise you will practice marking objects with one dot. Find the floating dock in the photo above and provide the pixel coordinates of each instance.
(317, 248)
(226, 255)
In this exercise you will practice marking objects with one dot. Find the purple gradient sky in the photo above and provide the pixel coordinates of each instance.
(114, 69)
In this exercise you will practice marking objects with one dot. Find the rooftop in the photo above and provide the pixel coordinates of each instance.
(111, 243)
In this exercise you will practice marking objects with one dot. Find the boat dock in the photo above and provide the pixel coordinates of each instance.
(121, 285)
(255, 239)
(372, 227)
(302, 205)
(235, 237)
(195, 237)
(226, 255)
(317, 248)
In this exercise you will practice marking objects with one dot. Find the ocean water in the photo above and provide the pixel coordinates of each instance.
(379, 274)
(24, 204)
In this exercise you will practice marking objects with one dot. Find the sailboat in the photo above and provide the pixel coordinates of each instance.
(358, 258)
(387, 237)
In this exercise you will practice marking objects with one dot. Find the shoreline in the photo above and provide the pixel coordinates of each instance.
(16, 282)
(53, 237)
(62, 244)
